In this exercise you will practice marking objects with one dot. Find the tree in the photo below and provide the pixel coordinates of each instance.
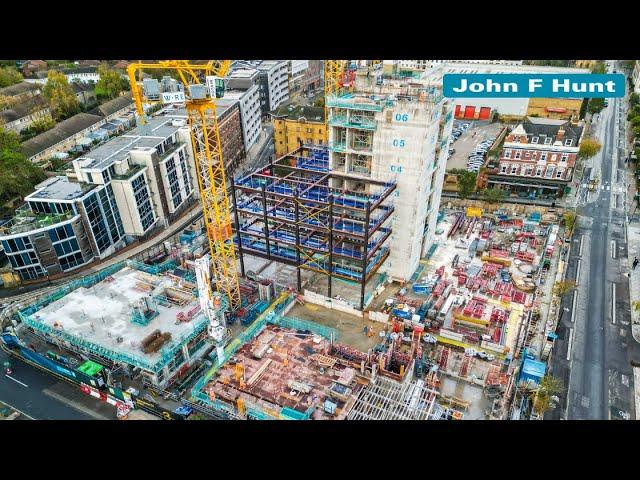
(635, 121)
(62, 99)
(9, 76)
(599, 67)
(466, 182)
(110, 84)
(562, 287)
(569, 221)
(319, 102)
(17, 174)
(589, 148)
(595, 105)
(493, 195)
(634, 99)
(549, 387)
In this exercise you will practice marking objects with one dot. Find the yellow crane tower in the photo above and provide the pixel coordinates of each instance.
(205, 139)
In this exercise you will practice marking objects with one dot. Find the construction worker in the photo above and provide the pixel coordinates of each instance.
(635, 263)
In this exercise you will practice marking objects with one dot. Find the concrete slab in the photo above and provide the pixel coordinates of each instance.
(102, 314)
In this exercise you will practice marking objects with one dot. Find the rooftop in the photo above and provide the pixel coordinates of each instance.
(24, 108)
(546, 127)
(243, 73)
(60, 132)
(113, 106)
(502, 68)
(18, 89)
(102, 315)
(298, 112)
(59, 188)
(149, 135)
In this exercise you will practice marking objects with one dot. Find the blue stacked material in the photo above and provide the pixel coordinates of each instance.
(421, 288)
(188, 236)
(424, 308)
(535, 217)
(402, 313)
(532, 371)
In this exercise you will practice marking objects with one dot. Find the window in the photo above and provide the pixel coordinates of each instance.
(516, 140)
(547, 141)
(564, 157)
(568, 142)
(543, 156)
(514, 169)
(507, 153)
(534, 140)
(517, 154)
(528, 171)
(550, 171)
(554, 157)
(503, 168)
(559, 173)
(527, 154)
(534, 155)
(539, 172)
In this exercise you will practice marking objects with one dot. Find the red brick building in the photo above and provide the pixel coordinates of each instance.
(538, 158)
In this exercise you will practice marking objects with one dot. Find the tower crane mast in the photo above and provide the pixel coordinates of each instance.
(207, 150)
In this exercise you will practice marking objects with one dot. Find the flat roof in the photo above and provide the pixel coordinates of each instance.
(149, 135)
(59, 188)
(102, 314)
(503, 68)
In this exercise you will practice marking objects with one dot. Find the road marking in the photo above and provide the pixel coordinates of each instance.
(613, 303)
(17, 410)
(581, 242)
(578, 271)
(17, 381)
(73, 404)
(570, 344)
(613, 249)
(574, 306)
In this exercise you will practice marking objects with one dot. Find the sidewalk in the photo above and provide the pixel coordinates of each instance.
(633, 243)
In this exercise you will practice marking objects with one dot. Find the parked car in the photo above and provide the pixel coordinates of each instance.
(429, 338)
(485, 356)
(471, 352)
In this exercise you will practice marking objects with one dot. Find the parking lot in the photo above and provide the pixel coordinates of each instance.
(477, 132)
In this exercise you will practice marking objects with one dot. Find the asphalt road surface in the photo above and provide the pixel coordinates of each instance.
(595, 346)
(41, 396)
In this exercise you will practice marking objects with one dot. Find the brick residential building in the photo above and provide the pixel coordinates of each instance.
(538, 158)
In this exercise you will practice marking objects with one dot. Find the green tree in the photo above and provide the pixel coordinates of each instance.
(634, 99)
(589, 148)
(493, 195)
(62, 99)
(17, 174)
(549, 386)
(562, 287)
(599, 67)
(9, 76)
(595, 105)
(110, 84)
(466, 182)
(569, 221)
(319, 102)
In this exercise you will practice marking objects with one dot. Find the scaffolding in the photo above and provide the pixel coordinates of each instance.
(167, 353)
(291, 212)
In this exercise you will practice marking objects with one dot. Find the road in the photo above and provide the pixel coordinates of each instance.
(41, 396)
(594, 349)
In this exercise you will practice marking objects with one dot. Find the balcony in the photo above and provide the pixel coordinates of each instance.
(25, 221)
(354, 103)
(364, 124)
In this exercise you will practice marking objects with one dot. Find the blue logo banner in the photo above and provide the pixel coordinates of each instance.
(525, 85)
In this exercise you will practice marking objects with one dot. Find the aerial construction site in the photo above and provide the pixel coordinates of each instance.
(336, 285)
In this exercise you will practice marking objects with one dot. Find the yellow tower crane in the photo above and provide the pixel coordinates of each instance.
(339, 79)
(205, 139)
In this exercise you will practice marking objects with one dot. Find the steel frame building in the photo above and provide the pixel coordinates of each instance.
(291, 212)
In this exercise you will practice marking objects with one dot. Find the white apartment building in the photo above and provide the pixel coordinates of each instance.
(250, 113)
(151, 171)
(398, 132)
(635, 76)
(274, 82)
